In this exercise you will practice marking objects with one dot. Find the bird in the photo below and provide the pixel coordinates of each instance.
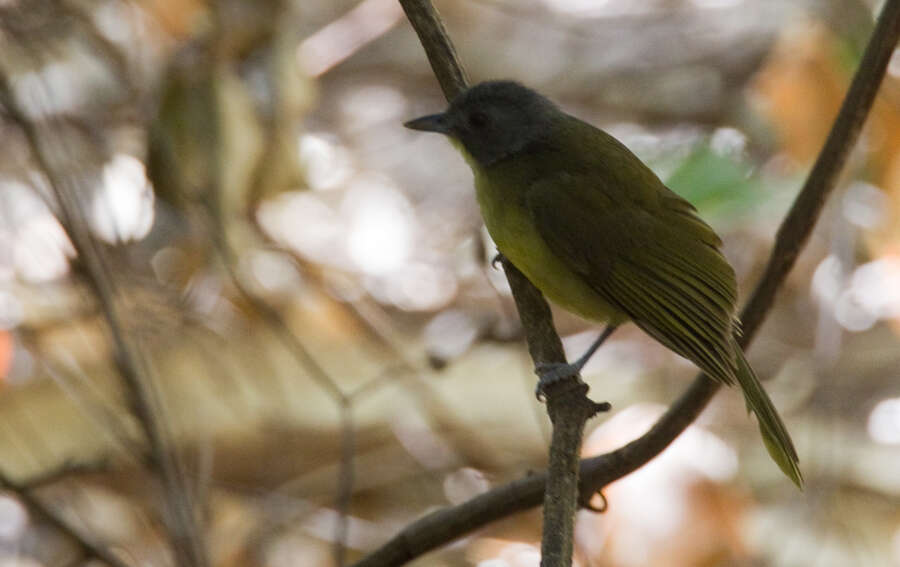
(598, 233)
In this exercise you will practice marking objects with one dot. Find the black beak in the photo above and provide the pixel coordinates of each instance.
(430, 123)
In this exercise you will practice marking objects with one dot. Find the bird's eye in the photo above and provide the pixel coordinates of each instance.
(478, 120)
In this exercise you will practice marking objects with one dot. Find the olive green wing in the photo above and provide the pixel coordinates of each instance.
(653, 259)
(660, 264)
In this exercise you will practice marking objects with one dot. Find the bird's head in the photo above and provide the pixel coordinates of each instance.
(493, 120)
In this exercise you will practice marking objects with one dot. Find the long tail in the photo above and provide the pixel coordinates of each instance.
(775, 436)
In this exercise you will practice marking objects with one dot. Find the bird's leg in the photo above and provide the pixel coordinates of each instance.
(551, 372)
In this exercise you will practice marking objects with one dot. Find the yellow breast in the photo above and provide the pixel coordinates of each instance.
(512, 228)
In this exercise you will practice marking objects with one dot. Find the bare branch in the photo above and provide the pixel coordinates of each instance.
(568, 406)
(305, 359)
(346, 478)
(438, 47)
(445, 525)
(184, 533)
(67, 469)
(569, 409)
(91, 549)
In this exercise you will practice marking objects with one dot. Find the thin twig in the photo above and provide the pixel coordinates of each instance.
(568, 406)
(440, 51)
(184, 533)
(443, 526)
(61, 472)
(346, 478)
(305, 359)
(279, 327)
(217, 221)
(89, 548)
(106, 48)
(569, 409)
(216, 212)
(101, 416)
(791, 237)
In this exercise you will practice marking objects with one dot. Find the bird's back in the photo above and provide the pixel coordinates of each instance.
(600, 234)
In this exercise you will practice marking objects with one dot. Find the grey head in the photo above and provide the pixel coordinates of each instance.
(493, 120)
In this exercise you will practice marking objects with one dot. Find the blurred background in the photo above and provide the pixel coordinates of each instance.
(302, 300)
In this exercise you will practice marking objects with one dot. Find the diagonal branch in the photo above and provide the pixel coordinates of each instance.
(89, 548)
(317, 373)
(443, 526)
(440, 51)
(789, 242)
(184, 532)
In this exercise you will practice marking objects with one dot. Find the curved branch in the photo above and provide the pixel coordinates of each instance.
(443, 526)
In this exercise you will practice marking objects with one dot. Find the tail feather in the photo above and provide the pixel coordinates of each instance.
(774, 433)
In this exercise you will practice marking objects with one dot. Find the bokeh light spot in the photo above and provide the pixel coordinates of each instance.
(13, 518)
(865, 205)
(42, 249)
(325, 162)
(123, 207)
(450, 334)
(380, 227)
(303, 223)
(884, 422)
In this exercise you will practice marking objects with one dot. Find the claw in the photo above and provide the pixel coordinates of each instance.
(497, 259)
(550, 373)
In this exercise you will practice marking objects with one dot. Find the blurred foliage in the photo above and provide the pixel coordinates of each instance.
(294, 264)
(716, 183)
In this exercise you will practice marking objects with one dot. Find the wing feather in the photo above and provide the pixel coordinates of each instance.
(648, 254)
(659, 309)
(656, 261)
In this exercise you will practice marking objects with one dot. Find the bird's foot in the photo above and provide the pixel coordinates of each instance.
(497, 259)
(550, 373)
